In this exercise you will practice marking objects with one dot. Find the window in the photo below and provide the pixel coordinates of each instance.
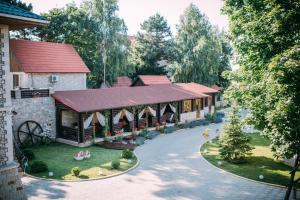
(16, 81)
(187, 106)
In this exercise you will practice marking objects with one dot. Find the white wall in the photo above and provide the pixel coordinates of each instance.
(67, 81)
(189, 116)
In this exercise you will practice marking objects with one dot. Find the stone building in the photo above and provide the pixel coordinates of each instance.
(11, 18)
(38, 70)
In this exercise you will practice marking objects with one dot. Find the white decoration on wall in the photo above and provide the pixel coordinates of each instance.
(152, 111)
(117, 117)
(88, 121)
(101, 119)
(129, 115)
(172, 108)
(163, 110)
(141, 114)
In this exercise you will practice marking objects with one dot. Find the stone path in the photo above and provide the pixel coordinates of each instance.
(170, 168)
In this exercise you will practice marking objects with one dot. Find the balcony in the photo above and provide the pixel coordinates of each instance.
(29, 93)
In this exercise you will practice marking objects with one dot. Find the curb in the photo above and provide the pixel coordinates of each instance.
(238, 176)
(91, 179)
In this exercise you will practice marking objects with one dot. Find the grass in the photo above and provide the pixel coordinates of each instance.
(261, 162)
(60, 161)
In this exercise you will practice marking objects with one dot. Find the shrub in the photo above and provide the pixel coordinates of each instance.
(217, 119)
(209, 117)
(115, 164)
(28, 154)
(235, 144)
(38, 166)
(144, 132)
(170, 129)
(75, 171)
(220, 114)
(127, 154)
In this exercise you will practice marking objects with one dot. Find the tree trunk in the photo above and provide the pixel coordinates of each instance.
(292, 182)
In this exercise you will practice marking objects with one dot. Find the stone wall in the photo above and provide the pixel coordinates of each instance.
(41, 110)
(10, 183)
(66, 81)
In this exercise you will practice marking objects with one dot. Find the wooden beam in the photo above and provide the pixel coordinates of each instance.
(80, 128)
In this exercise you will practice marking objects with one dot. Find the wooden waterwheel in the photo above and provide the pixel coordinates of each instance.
(30, 133)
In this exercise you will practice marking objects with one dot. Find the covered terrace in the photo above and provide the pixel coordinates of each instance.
(82, 115)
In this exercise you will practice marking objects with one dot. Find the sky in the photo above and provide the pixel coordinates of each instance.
(134, 12)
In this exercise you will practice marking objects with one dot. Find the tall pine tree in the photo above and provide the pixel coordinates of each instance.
(153, 44)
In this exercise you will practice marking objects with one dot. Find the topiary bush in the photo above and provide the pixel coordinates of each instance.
(115, 164)
(127, 154)
(28, 154)
(38, 166)
(75, 171)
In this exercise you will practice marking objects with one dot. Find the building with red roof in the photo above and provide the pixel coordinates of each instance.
(46, 65)
(122, 81)
(143, 80)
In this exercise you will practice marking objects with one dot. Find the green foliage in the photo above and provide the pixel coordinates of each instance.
(75, 171)
(28, 154)
(115, 164)
(235, 144)
(144, 132)
(127, 154)
(266, 37)
(96, 32)
(202, 54)
(153, 44)
(38, 166)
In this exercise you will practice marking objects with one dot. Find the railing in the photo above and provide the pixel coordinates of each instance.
(68, 133)
(29, 93)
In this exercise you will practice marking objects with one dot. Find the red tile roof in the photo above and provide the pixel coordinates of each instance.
(216, 87)
(197, 88)
(39, 57)
(119, 97)
(154, 79)
(123, 81)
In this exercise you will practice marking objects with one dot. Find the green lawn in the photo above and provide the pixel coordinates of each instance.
(59, 158)
(261, 162)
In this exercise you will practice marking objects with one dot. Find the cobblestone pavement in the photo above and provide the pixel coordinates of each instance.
(170, 168)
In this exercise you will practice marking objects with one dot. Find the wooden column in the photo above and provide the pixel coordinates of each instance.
(80, 128)
(111, 127)
(158, 113)
(58, 121)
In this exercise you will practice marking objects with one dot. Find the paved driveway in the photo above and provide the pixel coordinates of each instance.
(170, 168)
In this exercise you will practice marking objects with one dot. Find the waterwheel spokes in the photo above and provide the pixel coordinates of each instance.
(30, 132)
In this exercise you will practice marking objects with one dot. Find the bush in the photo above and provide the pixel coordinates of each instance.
(220, 114)
(115, 164)
(38, 166)
(170, 129)
(234, 143)
(127, 154)
(209, 117)
(144, 132)
(75, 171)
(217, 119)
(28, 154)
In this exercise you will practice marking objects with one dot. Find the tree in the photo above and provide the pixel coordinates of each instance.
(88, 28)
(153, 44)
(225, 57)
(234, 142)
(198, 49)
(25, 33)
(112, 40)
(266, 37)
